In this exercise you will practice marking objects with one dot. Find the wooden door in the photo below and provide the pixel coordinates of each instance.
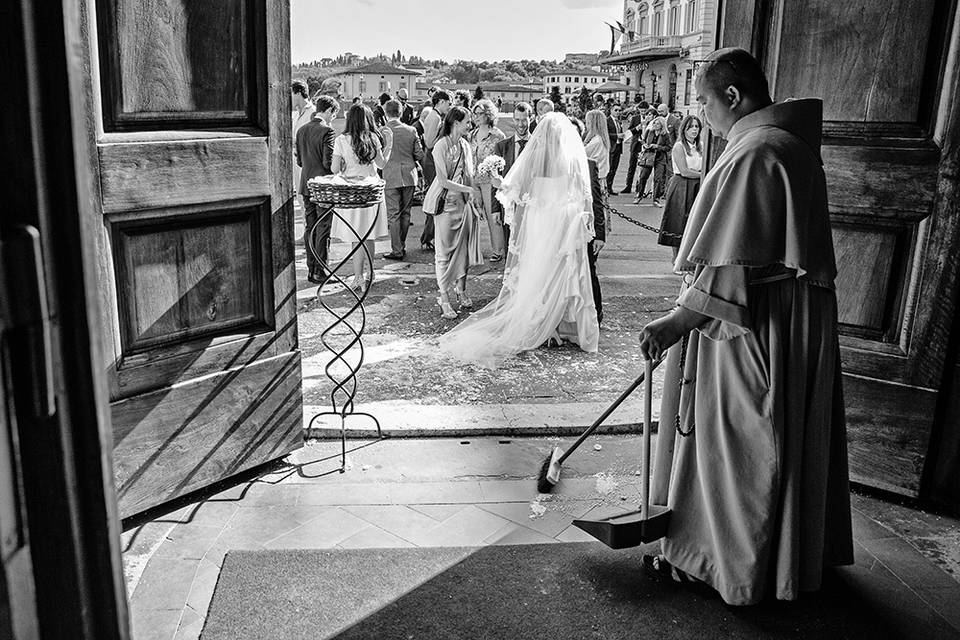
(890, 140)
(190, 137)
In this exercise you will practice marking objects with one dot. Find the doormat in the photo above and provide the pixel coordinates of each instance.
(528, 592)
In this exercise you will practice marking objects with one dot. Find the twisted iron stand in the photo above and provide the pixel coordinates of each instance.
(347, 387)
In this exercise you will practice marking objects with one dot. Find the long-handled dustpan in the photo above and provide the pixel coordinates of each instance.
(651, 521)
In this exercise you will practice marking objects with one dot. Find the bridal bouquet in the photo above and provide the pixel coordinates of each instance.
(490, 166)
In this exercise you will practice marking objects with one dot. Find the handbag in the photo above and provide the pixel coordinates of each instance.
(442, 198)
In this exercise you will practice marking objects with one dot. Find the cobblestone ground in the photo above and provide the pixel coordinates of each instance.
(403, 323)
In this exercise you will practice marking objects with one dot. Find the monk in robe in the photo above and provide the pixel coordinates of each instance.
(758, 484)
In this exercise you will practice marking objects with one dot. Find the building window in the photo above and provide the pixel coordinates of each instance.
(363, 86)
(657, 24)
(383, 86)
(687, 83)
(566, 79)
(642, 23)
(673, 24)
(566, 89)
(691, 16)
(576, 79)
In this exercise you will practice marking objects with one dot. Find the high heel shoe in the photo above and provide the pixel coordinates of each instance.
(446, 310)
(463, 299)
(358, 284)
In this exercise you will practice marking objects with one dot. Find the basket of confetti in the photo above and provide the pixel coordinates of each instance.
(490, 166)
(346, 193)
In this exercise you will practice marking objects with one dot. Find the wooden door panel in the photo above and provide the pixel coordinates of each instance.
(192, 145)
(181, 63)
(173, 441)
(879, 67)
(145, 175)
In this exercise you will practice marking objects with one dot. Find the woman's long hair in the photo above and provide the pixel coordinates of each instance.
(596, 123)
(681, 134)
(454, 115)
(360, 128)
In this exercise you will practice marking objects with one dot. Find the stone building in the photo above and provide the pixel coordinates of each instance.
(659, 53)
(370, 80)
(570, 81)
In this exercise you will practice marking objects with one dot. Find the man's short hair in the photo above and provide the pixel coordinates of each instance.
(439, 96)
(523, 107)
(401, 93)
(392, 108)
(734, 67)
(299, 87)
(546, 101)
(325, 103)
(384, 97)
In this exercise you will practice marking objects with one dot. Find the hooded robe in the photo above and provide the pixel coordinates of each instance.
(759, 489)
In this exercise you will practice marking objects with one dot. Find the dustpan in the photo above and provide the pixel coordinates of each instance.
(651, 521)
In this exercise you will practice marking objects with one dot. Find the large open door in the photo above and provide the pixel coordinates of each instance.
(880, 67)
(191, 136)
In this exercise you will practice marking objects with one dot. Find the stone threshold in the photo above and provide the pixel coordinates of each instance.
(400, 419)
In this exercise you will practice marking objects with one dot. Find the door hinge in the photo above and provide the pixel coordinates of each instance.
(25, 320)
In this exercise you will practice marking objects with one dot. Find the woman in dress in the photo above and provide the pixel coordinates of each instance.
(483, 142)
(684, 185)
(456, 220)
(547, 294)
(358, 153)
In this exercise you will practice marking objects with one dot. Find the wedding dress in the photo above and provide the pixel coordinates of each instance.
(546, 290)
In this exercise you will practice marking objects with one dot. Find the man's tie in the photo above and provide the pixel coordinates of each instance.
(521, 143)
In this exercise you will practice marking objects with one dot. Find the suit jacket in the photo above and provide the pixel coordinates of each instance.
(406, 114)
(672, 123)
(405, 153)
(314, 151)
(506, 149)
(599, 217)
(636, 128)
(613, 132)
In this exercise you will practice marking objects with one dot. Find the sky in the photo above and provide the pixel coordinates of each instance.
(451, 29)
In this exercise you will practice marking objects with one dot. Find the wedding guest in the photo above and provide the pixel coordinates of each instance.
(406, 111)
(597, 140)
(303, 110)
(638, 121)
(615, 133)
(671, 121)
(483, 141)
(656, 146)
(431, 118)
(450, 198)
(358, 153)
(461, 98)
(600, 224)
(400, 174)
(379, 116)
(509, 149)
(598, 101)
(544, 106)
(687, 158)
(664, 145)
(314, 153)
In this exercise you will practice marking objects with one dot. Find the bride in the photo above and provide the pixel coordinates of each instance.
(546, 294)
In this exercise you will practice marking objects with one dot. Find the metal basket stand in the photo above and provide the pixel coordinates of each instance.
(344, 389)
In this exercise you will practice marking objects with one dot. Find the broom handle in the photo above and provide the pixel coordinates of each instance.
(606, 414)
(647, 420)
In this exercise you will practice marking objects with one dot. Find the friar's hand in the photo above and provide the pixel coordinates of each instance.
(658, 336)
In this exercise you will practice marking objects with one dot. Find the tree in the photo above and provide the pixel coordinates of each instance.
(557, 98)
(478, 93)
(399, 57)
(584, 100)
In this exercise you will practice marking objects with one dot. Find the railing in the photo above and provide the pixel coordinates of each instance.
(641, 43)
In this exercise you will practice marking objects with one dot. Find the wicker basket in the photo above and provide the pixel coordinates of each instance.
(345, 196)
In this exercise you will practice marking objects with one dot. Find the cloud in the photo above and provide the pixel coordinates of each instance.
(613, 5)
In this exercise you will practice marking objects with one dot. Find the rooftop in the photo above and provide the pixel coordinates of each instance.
(382, 68)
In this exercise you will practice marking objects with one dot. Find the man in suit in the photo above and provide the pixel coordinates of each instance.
(406, 111)
(615, 132)
(599, 227)
(672, 122)
(635, 126)
(314, 147)
(303, 110)
(400, 174)
(509, 149)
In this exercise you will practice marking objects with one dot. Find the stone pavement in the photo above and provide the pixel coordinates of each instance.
(413, 389)
(475, 492)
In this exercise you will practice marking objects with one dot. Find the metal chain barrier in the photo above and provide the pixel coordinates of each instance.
(642, 225)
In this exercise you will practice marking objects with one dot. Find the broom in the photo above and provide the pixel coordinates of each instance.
(549, 474)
